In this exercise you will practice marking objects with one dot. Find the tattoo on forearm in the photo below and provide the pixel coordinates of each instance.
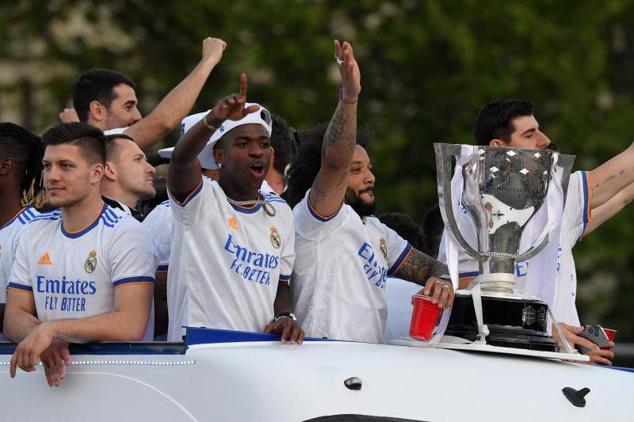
(338, 134)
(418, 267)
(609, 179)
(334, 131)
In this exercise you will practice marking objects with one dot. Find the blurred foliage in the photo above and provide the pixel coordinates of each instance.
(427, 66)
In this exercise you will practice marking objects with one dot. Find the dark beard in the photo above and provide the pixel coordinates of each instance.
(361, 207)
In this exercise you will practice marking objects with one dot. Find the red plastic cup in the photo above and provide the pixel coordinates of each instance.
(610, 334)
(424, 317)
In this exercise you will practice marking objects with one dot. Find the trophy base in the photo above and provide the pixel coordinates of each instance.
(513, 321)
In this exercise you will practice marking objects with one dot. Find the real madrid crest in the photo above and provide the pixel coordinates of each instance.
(91, 262)
(276, 240)
(383, 248)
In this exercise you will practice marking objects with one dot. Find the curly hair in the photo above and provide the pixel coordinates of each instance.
(305, 168)
(25, 148)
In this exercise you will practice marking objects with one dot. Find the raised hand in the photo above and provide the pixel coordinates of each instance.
(213, 48)
(232, 106)
(349, 71)
(68, 115)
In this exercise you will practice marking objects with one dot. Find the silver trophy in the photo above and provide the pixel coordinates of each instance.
(502, 190)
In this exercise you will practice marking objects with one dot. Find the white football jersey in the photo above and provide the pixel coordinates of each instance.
(9, 235)
(340, 273)
(226, 261)
(159, 226)
(73, 275)
(551, 274)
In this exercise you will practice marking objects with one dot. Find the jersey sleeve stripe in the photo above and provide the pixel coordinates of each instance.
(140, 279)
(406, 251)
(191, 195)
(587, 212)
(469, 274)
(285, 277)
(22, 287)
(321, 217)
(162, 267)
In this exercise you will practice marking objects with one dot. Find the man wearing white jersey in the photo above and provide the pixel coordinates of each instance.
(344, 254)
(233, 247)
(20, 171)
(107, 99)
(551, 275)
(81, 273)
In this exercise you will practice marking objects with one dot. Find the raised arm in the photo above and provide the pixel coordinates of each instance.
(609, 209)
(178, 102)
(183, 175)
(611, 177)
(329, 188)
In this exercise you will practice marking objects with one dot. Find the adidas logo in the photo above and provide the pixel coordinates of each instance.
(45, 259)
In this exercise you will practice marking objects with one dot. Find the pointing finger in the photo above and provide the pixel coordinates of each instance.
(243, 86)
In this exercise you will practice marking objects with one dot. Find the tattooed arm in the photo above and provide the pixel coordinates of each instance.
(329, 188)
(424, 270)
(611, 177)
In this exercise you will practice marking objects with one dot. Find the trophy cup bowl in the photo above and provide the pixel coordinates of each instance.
(502, 190)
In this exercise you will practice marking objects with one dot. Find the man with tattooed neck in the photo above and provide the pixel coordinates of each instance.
(344, 254)
(233, 246)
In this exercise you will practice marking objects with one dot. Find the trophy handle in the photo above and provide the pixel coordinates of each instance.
(444, 165)
(564, 161)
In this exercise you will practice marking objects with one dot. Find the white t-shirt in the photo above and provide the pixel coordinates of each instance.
(550, 275)
(73, 275)
(340, 273)
(226, 261)
(159, 226)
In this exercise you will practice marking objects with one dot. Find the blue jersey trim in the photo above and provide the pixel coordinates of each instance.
(24, 217)
(163, 267)
(110, 218)
(469, 274)
(586, 202)
(140, 279)
(87, 229)
(247, 210)
(51, 215)
(321, 218)
(191, 195)
(285, 277)
(20, 287)
(400, 259)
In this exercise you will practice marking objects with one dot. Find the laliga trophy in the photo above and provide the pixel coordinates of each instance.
(502, 189)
